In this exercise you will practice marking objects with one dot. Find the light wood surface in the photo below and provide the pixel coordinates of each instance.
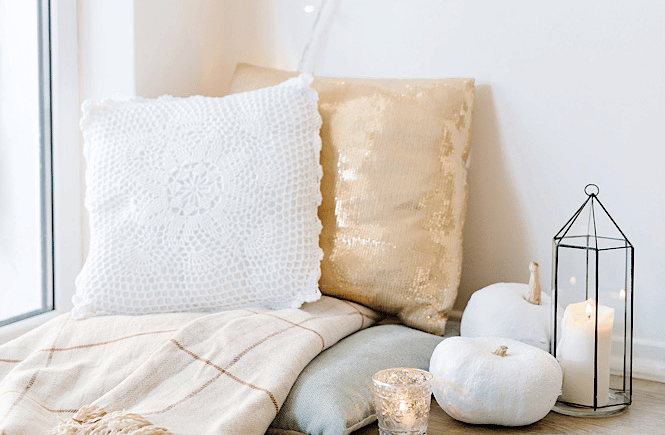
(646, 415)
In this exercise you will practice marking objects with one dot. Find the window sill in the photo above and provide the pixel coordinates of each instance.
(13, 330)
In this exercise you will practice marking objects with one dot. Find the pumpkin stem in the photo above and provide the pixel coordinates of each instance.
(533, 293)
(501, 351)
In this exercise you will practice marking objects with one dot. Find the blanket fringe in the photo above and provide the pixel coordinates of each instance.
(92, 420)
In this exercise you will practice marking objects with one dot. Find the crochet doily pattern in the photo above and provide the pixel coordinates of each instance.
(201, 203)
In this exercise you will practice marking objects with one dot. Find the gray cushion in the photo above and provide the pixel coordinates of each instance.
(332, 395)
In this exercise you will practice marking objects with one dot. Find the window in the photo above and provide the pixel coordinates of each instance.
(26, 236)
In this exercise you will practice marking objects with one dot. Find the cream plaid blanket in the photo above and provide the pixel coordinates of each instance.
(222, 373)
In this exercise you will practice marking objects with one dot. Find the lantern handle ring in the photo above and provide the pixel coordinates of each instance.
(589, 190)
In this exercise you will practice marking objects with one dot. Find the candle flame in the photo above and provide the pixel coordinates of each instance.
(573, 280)
(588, 310)
(309, 9)
(622, 293)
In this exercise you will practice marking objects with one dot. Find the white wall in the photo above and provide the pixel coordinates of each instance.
(568, 92)
(106, 49)
(181, 47)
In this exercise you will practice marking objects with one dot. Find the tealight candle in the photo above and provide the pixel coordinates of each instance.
(576, 353)
(402, 399)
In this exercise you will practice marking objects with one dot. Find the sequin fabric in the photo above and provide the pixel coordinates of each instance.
(394, 190)
(202, 204)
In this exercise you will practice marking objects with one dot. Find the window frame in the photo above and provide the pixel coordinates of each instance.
(45, 167)
(65, 257)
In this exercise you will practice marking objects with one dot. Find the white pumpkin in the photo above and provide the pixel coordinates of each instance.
(494, 380)
(512, 310)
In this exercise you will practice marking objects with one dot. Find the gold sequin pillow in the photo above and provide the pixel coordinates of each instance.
(394, 190)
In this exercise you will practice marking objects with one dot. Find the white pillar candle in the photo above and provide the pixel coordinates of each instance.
(575, 352)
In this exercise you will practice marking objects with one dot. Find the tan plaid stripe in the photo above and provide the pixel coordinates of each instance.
(41, 405)
(299, 325)
(103, 343)
(363, 316)
(189, 396)
(24, 394)
(33, 378)
(263, 340)
(237, 358)
(240, 381)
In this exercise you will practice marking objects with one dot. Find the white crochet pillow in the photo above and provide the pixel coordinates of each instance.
(202, 204)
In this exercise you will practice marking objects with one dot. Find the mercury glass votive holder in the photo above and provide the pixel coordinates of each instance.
(402, 399)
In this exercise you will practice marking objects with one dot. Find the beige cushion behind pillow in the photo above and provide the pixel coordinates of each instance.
(394, 189)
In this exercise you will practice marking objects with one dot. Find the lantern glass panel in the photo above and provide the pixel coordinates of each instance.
(576, 275)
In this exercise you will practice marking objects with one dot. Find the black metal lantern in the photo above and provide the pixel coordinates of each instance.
(592, 300)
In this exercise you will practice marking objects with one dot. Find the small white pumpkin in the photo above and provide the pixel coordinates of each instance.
(494, 380)
(512, 310)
